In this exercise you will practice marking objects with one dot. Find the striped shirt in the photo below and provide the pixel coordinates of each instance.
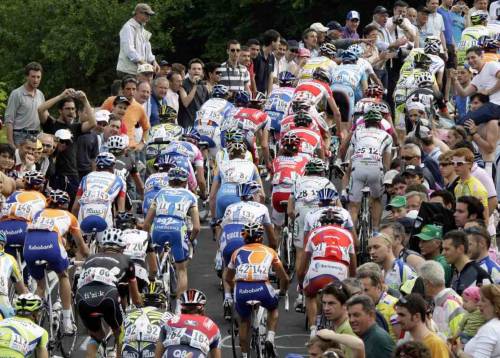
(236, 78)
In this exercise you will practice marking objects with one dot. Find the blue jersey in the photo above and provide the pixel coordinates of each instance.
(213, 112)
(490, 266)
(186, 149)
(349, 75)
(174, 203)
(153, 185)
(277, 105)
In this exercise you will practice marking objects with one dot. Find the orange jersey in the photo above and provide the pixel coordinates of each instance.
(57, 220)
(23, 205)
(252, 262)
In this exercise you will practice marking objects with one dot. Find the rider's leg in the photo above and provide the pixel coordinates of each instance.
(40, 287)
(244, 327)
(353, 210)
(376, 212)
(272, 324)
(311, 310)
(93, 344)
(182, 279)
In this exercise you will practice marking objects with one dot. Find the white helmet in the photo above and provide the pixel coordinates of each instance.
(117, 142)
(113, 237)
(424, 79)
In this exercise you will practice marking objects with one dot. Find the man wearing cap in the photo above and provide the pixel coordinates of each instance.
(334, 36)
(135, 48)
(349, 31)
(321, 31)
(145, 73)
(165, 68)
(431, 238)
(397, 206)
(414, 175)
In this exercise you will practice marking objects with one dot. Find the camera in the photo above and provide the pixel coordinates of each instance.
(398, 20)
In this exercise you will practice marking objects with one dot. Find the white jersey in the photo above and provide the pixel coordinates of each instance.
(368, 146)
(437, 64)
(237, 171)
(246, 212)
(366, 66)
(213, 111)
(223, 156)
(305, 189)
(311, 220)
(137, 243)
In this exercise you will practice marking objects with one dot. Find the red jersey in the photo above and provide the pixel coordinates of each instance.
(309, 140)
(287, 169)
(319, 90)
(250, 119)
(330, 243)
(287, 124)
(192, 330)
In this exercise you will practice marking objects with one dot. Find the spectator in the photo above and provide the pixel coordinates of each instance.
(396, 231)
(142, 96)
(21, 115)
(397, 207)
(192, 94)
(135, 48)
(464, 77)
(479, 243)
(264, 63)
(334, 35)
(281, 63)
(245, 59)
(345, 341)
(378, 343)
(333, 300)
(310, 41)
(448, 311)
(110, 130)
(412, 155)
(174, 86)
(134, 114)
(421, 25)
(473, 319)
(102, 118)
(400, 26)
(445, 11)
(411, 15)
(158, 98)
(468, 208)
(254, 48)
(321, 31)
(486, 342)
(399, 185)
(466, 272)
(234, 75)
(443, 197)
(179, 68)
(213, 74)
(165, 68)
(291, 57)
(7, 155)
(435, 22)
(457, 15)
(349, 31)
(47, 163)
(87, 149)
(145, 73)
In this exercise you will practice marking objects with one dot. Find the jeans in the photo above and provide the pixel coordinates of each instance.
(483, 114)
(67, 183)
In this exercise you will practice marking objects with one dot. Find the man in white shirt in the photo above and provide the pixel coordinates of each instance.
(435, 22)
(280, 64)
(495, 10)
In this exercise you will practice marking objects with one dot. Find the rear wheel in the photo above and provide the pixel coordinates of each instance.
(234, 335)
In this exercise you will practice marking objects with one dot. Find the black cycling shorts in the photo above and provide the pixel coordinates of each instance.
(94, 302)
(139, 349)
(344, 105)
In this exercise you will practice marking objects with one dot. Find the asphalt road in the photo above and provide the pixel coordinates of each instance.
(291, 335)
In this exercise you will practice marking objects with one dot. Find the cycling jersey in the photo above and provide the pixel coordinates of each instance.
(138, 245)
(330, 243)
(277, 104)
(189, 331)
(107, 269)
(23, 205)
(154, 183)
(60, 221)
(183, 162)
(349, 75)
(185, 149)
(98, 191)
(437, 63)
(320, 91)
(490, 266)
(368, 146)
(318, 125)
(310, 142)
(9, 273)
(385, 306)
(312, 64)
(312, 219)
(286, 170)
(249, 120)
(223, 156)
(448, 312)
(20, 337)
(252, 262)
(140, 326)
(469, 38)
(399, 274)
(384, 124)
(210, 116)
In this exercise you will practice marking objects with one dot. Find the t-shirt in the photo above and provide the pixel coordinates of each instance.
(435, 24)
(187, 115)
(345, 328)
(378, 343)
(87, 149)
(436, 345)
(457, 26)
(486, 79)
(472, 187)
(263, 67)
(447, 269)
(66, 160)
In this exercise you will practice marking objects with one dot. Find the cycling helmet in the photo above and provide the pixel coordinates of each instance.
(247, 189)
(374, 90)
(167, 114)
(258, 101)
(302, 119)
(117, 143)
(327, 194)
(348, 56)
(178, 173)
(234, 135)
(290, 140)
(331, 216)
(301, 101)
(422, 60)
(252, 232)
(191, 133)
(478, 17)
(33, 178)
(59, 197)
(432, 45)
(220, 91)
(373, 116)
(27, 303)
(164, 163)
(315, 165)
(125, 220)
(236, 147)
(321, 74)
(193, 297)
(113, 237)
(328, 49)
(105, 160)
(153, 295)
(381, 107)
(241, 98)
(487, 42)
(3, 237)
(424, 79)
(286, 79)
(357, 49)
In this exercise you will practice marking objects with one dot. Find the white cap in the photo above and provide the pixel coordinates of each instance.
(415, 105)
(318, 27)
(63, 134)
(389, 176)
(102, 115)
(145, 67)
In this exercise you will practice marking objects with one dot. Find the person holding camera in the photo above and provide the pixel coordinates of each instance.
(192, 94)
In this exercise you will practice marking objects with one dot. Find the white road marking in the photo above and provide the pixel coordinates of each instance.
(228, 337)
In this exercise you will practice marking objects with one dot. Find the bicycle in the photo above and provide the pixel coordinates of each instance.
(364, 226)
(51, 317)
(167, 274)
(286, 249)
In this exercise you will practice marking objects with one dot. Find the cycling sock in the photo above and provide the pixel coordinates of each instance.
(244, 355)
(270, 336)
(66, 314)
(227, 296)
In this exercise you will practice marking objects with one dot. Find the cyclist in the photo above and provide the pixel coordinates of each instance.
(166, 220)
(10, 273)
(311, 143)
(359, 51)
(211, 115)
(231, 135)
(46, 240)
(235, 217)
(490, 47)
(99, 190)
(346, 78)
(432, 47)
(97, 293)
(325, 60)
(329, 257)
(139, 248)
(20, 336)
(157, 181)
(303, 199)
(180, 161)
(278, 102)
(426, 94)
(369, 156)
(159, 138)
(249, 267)
(191, 334)
(141, 326)
(19, 209)
(471, 34)
(373, 94)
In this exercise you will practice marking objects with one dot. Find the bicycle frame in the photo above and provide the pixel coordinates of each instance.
(364, 226)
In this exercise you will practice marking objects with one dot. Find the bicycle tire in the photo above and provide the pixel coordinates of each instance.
(234, 334)
(67, 342)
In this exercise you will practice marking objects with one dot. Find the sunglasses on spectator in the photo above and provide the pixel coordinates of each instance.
(102, 123)
(458, 163)
(294, 50)
(409, 157)
(235, 50)
(445, 164)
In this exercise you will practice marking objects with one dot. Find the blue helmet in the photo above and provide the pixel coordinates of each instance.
(286, 78)
(33, 177)
(242, 98)
(348, 56)
(357, 49)
(178, 173)
(327, 194)
(191, 133)
(165, 162)
(59, 197)
(105, 160)
(220, 91)
(247, 189)
(3, 237)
